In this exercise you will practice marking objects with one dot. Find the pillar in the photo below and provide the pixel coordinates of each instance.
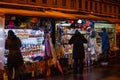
(2, 45)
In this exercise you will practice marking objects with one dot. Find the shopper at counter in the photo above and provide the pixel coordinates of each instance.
(15, 59)
(78, 51)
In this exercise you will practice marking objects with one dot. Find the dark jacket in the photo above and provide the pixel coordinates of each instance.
(13, 44)
(78, 48)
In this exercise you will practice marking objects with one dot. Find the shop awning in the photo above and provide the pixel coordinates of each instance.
(51, 14)
(92, 17)
(60, 14)
(21, 12)
(55, 14)
(114, 20)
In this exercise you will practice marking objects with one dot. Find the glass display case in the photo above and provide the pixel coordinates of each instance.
(110, 28)
(68, 33)
(32, 43)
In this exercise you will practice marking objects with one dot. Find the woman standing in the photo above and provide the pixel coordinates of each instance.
(15, 59)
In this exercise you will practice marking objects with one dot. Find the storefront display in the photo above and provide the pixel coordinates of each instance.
(32, 36)
(32, 43)
(37, 48)
(110, 28)
(90, 29)
(64, 32)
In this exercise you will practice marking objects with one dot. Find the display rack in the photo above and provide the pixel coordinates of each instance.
(110, 29)
(32, 43)
(111, 35)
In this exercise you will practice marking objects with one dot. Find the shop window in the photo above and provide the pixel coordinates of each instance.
(118, 17)
(110, 8)
(91, 7)
(105, 8)
(33, 0)
(72, 3)
(27, 29)
(63, 2)
(97, 0)
(86, 5)
(80, 3)
(54, 2)
(95, 6)
(118, 10)
(21, 0)
(100, 7)
(114, 10)
(44, 1)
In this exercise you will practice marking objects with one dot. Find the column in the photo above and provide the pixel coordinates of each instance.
(2, 45)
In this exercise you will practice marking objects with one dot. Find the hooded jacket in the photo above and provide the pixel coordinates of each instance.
(78, 48)
(13, 44)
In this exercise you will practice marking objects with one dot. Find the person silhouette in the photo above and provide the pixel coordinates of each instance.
(105, 44)
(15, 59)
(78, 51)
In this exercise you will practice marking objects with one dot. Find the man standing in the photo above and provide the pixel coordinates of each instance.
(78, 51)
(105, 44)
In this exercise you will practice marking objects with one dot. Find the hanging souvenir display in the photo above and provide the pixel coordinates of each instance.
(23, 25)
(13, 18)
(11, 24)
(34, 20)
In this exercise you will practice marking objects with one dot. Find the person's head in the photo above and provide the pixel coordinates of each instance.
(11, 33)
(104, 29)
(77, 32)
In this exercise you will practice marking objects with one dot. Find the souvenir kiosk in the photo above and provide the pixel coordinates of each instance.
(90, 29)
(32, 32)
(65, 30)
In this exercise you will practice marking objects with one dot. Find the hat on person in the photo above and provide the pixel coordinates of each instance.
(104, 29)
(77, 32)
(11, 33)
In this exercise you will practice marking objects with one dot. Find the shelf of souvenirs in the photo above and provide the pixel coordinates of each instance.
(29, 36)
(33, 56)
(72, 31)
(29, 57)
(26, 33)
(30, 52)
(107, 29)
(68, 49)
(32, 48)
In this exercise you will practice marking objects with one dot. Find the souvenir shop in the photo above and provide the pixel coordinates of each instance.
(36, 35)
(90, 29)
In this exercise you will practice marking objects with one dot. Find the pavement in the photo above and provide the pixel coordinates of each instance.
(99, 71)
(109, 71)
